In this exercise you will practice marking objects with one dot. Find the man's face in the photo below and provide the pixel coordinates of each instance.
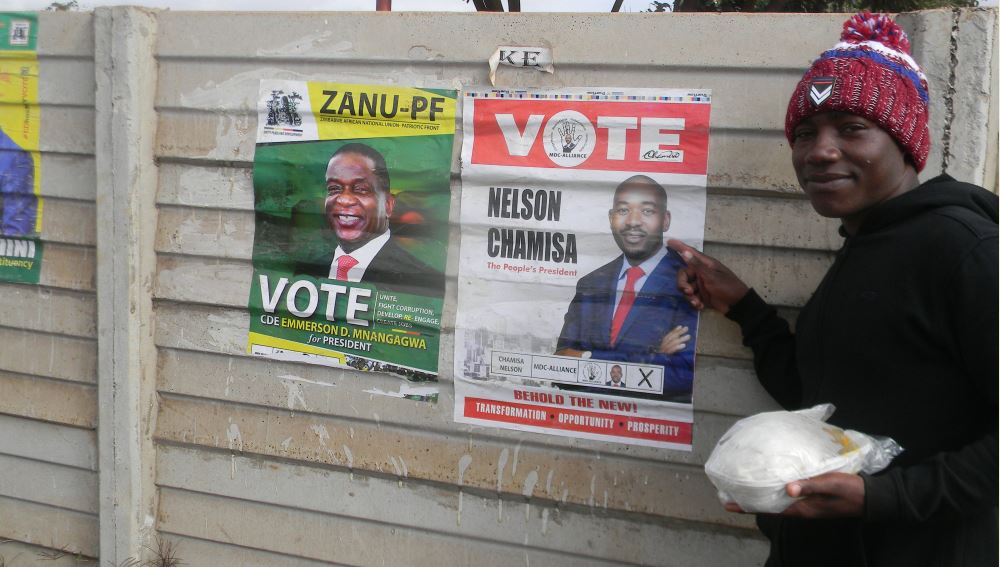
(639, 218)
(847, 164)
(357, 209)
(616, 374)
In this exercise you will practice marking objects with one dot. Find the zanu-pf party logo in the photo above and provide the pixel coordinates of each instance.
(569, 138)
(282, 109)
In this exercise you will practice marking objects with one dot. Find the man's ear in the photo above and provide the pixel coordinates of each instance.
(390, 202)
(666, 220)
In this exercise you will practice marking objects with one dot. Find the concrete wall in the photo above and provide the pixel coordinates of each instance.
(48, 346)
(240, 461)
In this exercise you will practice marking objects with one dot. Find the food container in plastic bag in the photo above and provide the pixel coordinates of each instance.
(760, 454)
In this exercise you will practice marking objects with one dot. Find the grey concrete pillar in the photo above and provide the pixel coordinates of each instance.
(125, 70)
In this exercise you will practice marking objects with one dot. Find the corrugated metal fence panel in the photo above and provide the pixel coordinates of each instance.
(48, 368)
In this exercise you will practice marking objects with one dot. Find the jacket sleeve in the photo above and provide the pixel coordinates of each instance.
(20, 204)
(964, 481)
(569, 336)
(773, 345)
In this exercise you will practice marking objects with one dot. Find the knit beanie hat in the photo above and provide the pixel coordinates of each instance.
(869, 73)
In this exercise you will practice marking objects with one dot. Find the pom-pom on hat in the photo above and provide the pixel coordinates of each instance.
(869, 73)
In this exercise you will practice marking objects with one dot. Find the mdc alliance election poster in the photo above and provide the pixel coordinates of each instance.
(20, 160)
(351, 192)
(569, 320)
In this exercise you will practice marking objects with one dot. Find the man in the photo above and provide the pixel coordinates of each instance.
(18, 203)
(616, 377)
(357, 208)
(629, 309)
(901, 335)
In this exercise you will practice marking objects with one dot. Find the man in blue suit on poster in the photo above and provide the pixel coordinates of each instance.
(629, 309)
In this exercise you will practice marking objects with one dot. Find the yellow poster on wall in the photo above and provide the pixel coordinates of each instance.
(20, 159)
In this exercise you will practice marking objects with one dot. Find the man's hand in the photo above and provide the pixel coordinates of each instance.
(706, 282)
(829, 495)
(569, 352)
(674, 341)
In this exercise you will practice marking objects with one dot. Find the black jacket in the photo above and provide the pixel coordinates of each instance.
(901, 336)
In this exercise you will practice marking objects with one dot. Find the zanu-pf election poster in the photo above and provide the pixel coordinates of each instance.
(20, 199)
(569, 320)
(351, 190)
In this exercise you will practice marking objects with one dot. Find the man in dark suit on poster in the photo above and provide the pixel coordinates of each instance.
(629, 309)
(357, 208)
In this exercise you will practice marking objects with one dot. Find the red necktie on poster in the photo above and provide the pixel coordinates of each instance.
(344, 265)
(632, 275)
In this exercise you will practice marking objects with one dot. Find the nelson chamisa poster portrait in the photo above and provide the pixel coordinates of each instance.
(569, 321)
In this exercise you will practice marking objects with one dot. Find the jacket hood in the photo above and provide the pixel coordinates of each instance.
(941, 191)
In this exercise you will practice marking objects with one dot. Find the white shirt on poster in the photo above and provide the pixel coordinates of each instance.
(363, 255)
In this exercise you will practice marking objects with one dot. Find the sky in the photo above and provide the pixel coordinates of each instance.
(335, 5)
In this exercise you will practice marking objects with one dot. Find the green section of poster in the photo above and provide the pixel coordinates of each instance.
(352, 196)
(20, 198)
(20, 260)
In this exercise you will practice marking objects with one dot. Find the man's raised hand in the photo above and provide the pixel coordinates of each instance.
(706, 282)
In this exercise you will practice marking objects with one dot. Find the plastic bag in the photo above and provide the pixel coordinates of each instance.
(760, 454)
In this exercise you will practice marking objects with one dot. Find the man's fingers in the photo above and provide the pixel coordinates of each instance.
(677, 331)
(689, 254)
(824, 484)
(794, 489)
(684, 281)
(694, 259)
(808, 487)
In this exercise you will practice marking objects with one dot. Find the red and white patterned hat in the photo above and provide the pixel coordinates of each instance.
(869, 73)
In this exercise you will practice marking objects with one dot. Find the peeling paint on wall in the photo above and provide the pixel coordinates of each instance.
(529, 484)
(417, 393)
(294, 391)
